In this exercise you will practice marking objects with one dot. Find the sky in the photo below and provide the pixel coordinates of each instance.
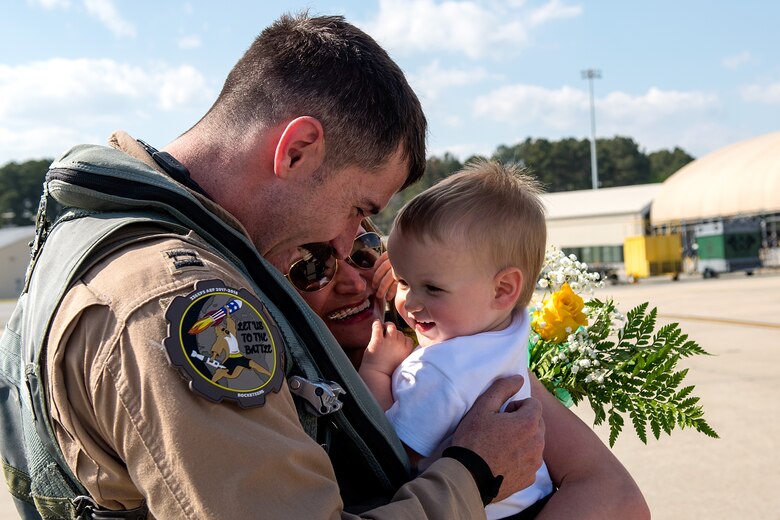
(693, 74)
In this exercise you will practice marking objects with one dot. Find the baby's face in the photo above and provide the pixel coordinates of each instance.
(444, 291)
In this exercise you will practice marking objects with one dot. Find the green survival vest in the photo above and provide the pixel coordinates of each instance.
(108, 200)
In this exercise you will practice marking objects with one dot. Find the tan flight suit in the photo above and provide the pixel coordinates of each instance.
(131, 429)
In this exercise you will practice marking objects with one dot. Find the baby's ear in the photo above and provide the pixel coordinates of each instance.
(507, 286)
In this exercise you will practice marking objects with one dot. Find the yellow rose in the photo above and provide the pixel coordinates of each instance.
(561, 310)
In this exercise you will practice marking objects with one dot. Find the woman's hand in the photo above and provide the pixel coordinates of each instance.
(384, 278)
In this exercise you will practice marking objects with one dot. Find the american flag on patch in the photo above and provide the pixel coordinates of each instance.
(215, 317)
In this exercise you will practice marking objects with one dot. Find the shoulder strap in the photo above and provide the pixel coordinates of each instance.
(38, 477)
(64, 262)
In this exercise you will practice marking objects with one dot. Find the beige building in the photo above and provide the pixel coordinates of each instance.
(593, 224)
(14, 257)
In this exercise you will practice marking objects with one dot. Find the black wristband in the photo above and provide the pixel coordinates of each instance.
(487, 484)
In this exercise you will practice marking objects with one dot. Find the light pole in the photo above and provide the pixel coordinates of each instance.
(589, 74)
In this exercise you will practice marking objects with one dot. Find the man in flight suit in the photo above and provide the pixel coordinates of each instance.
(315, 128)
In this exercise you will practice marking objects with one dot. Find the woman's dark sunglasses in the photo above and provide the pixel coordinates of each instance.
(318, 266)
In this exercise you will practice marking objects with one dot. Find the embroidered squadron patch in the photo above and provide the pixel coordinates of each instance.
(225, 343)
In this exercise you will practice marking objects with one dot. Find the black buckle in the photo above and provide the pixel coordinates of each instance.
(87, 509)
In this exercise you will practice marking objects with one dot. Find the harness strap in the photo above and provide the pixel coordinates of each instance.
(87, 509)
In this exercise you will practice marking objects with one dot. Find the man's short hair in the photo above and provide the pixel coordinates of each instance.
(329, 69)
(495, 210)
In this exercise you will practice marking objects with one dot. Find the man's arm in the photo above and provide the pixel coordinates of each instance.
(592, 482)
(511, 442)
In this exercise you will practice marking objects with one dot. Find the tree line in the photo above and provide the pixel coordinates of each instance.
(562, 165)
(21, 185)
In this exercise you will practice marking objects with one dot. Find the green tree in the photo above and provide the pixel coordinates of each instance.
(562, 165)
(621, 163)
(664, 163)
(559, 165)
(21, 185)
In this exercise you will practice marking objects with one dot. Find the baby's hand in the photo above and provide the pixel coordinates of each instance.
(387, 348)
(384, 278)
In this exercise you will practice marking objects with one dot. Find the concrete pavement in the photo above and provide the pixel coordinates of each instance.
(689, 475)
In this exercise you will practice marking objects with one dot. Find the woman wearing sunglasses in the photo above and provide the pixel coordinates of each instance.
(347, 294)
(350, 294)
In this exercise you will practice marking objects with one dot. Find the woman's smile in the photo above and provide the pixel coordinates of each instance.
(351, 311)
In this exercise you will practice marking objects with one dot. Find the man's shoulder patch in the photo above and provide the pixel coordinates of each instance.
(225, 342)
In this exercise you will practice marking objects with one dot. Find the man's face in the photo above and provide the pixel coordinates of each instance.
(329, 207)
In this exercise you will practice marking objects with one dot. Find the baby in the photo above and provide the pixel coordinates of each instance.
(466, 254)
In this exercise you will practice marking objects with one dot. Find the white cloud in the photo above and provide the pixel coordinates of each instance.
(50, 4)
(475, 29)
(661, 119)
(39, 143)
(559, 108)
(189, 42)
(563, 108)
(106, 12)
(553, 10)
(453, 120)
(655, 119)
(430, 80)
(737, 60)
(39, 100)
(462, 151)
(38, 88)
(768, 94)
(178, 87)
(653, 106)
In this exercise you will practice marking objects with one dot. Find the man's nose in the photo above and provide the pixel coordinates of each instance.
(342, 244)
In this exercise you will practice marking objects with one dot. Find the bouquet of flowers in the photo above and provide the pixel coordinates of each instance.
(585, 348)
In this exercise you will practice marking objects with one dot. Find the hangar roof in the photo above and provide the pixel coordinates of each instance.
(604, 201)
(740, 179)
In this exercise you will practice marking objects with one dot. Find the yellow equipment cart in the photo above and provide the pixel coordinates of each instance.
(653, 255)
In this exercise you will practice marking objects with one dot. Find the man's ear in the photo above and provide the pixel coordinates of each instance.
(507, 286)
(301, 147)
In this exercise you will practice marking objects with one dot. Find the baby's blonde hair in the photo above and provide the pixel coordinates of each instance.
(495, 209)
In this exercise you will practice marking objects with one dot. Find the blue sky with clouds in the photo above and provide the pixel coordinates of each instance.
(694, 74)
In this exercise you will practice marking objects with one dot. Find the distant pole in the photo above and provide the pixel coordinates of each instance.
(589, 74)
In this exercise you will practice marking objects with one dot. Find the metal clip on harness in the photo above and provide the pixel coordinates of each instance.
(323, 396)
